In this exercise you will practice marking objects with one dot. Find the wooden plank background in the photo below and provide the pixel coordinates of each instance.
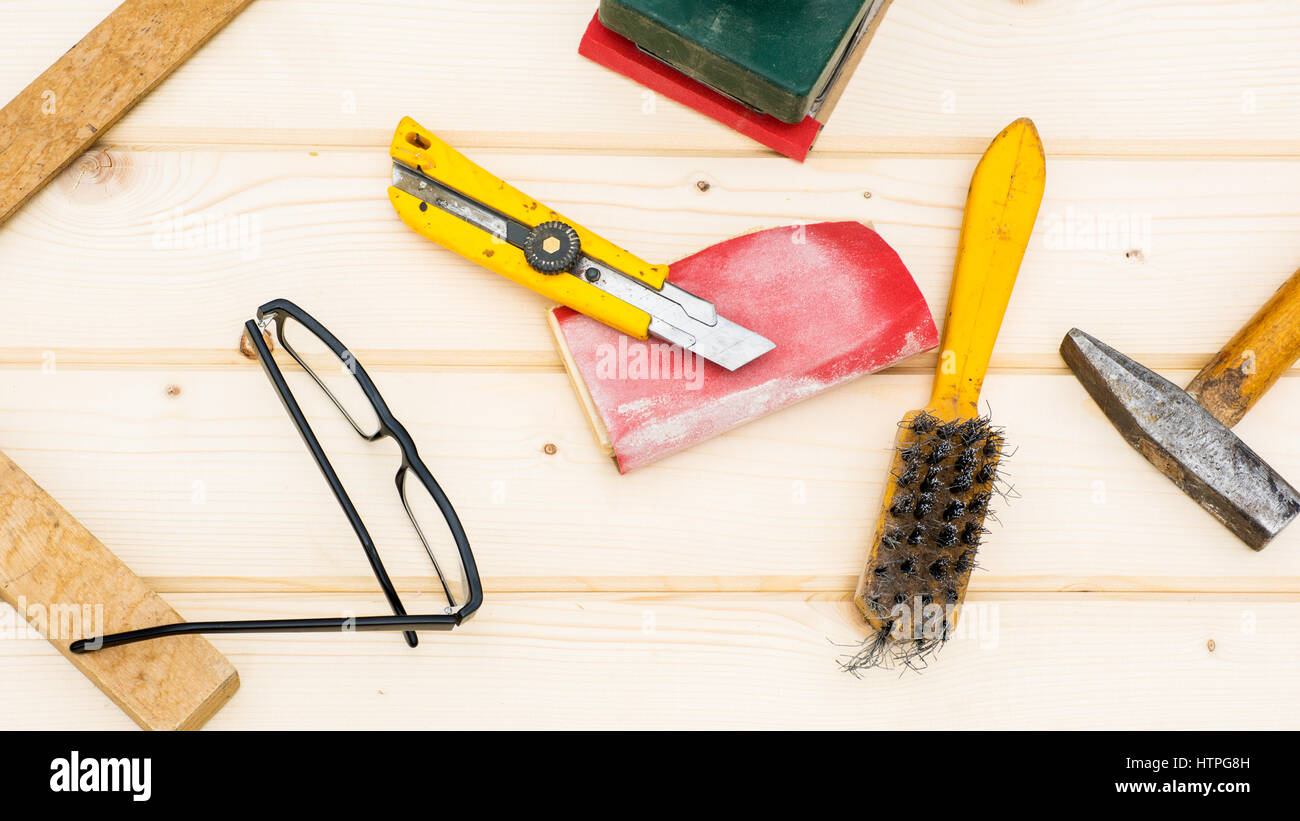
(709, 590)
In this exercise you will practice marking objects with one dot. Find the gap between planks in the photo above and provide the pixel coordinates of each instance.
(821, 587)
(529, 361)
(829, 146)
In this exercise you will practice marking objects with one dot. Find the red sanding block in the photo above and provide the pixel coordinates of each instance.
(794, 140)
(834, 297)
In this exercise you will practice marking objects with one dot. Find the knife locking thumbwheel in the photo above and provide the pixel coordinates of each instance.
(552, 247)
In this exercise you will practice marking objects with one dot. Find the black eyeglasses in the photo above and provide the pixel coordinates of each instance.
(331, 366)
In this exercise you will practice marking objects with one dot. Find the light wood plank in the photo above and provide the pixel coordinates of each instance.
(1107, 75)
(211, 488)
(1151, 280)
(656, 599)
(730, 661)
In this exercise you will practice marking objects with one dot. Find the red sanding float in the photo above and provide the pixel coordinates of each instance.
(834, 297)
(742, 49)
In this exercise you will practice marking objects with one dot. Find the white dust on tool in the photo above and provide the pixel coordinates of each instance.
(709, 419)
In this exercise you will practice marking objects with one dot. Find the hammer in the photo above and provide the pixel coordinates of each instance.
(1185, 433)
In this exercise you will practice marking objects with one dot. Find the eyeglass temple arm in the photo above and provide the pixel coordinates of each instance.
(361, 623)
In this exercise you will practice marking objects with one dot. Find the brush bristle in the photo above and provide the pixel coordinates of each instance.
(944, 475)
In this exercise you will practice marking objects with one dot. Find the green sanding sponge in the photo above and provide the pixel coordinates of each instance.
(775, 56)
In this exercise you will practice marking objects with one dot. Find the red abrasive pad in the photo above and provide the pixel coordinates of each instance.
(617, 53)
(834, 297)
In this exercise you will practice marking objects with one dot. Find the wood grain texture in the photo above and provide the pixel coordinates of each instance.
(742, 661)
(199, 481)
(706, 590)
(227, 230)
(69, 586)
(1111, 77)
(70, 105)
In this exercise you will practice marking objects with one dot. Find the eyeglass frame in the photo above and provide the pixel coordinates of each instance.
(277, 311)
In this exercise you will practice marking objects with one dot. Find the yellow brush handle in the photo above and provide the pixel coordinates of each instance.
(1005, 192)
(417, 147)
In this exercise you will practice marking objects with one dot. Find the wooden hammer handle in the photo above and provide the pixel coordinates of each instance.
(1252, 360)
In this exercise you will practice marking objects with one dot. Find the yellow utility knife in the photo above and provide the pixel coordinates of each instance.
(452, 201)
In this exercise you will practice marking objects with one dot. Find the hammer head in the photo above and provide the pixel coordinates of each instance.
(1171, 429)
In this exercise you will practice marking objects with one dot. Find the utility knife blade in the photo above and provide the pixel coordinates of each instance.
(445, 197)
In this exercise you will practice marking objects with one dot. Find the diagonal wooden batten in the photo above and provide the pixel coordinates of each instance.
(66, 109)
(61, 578)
